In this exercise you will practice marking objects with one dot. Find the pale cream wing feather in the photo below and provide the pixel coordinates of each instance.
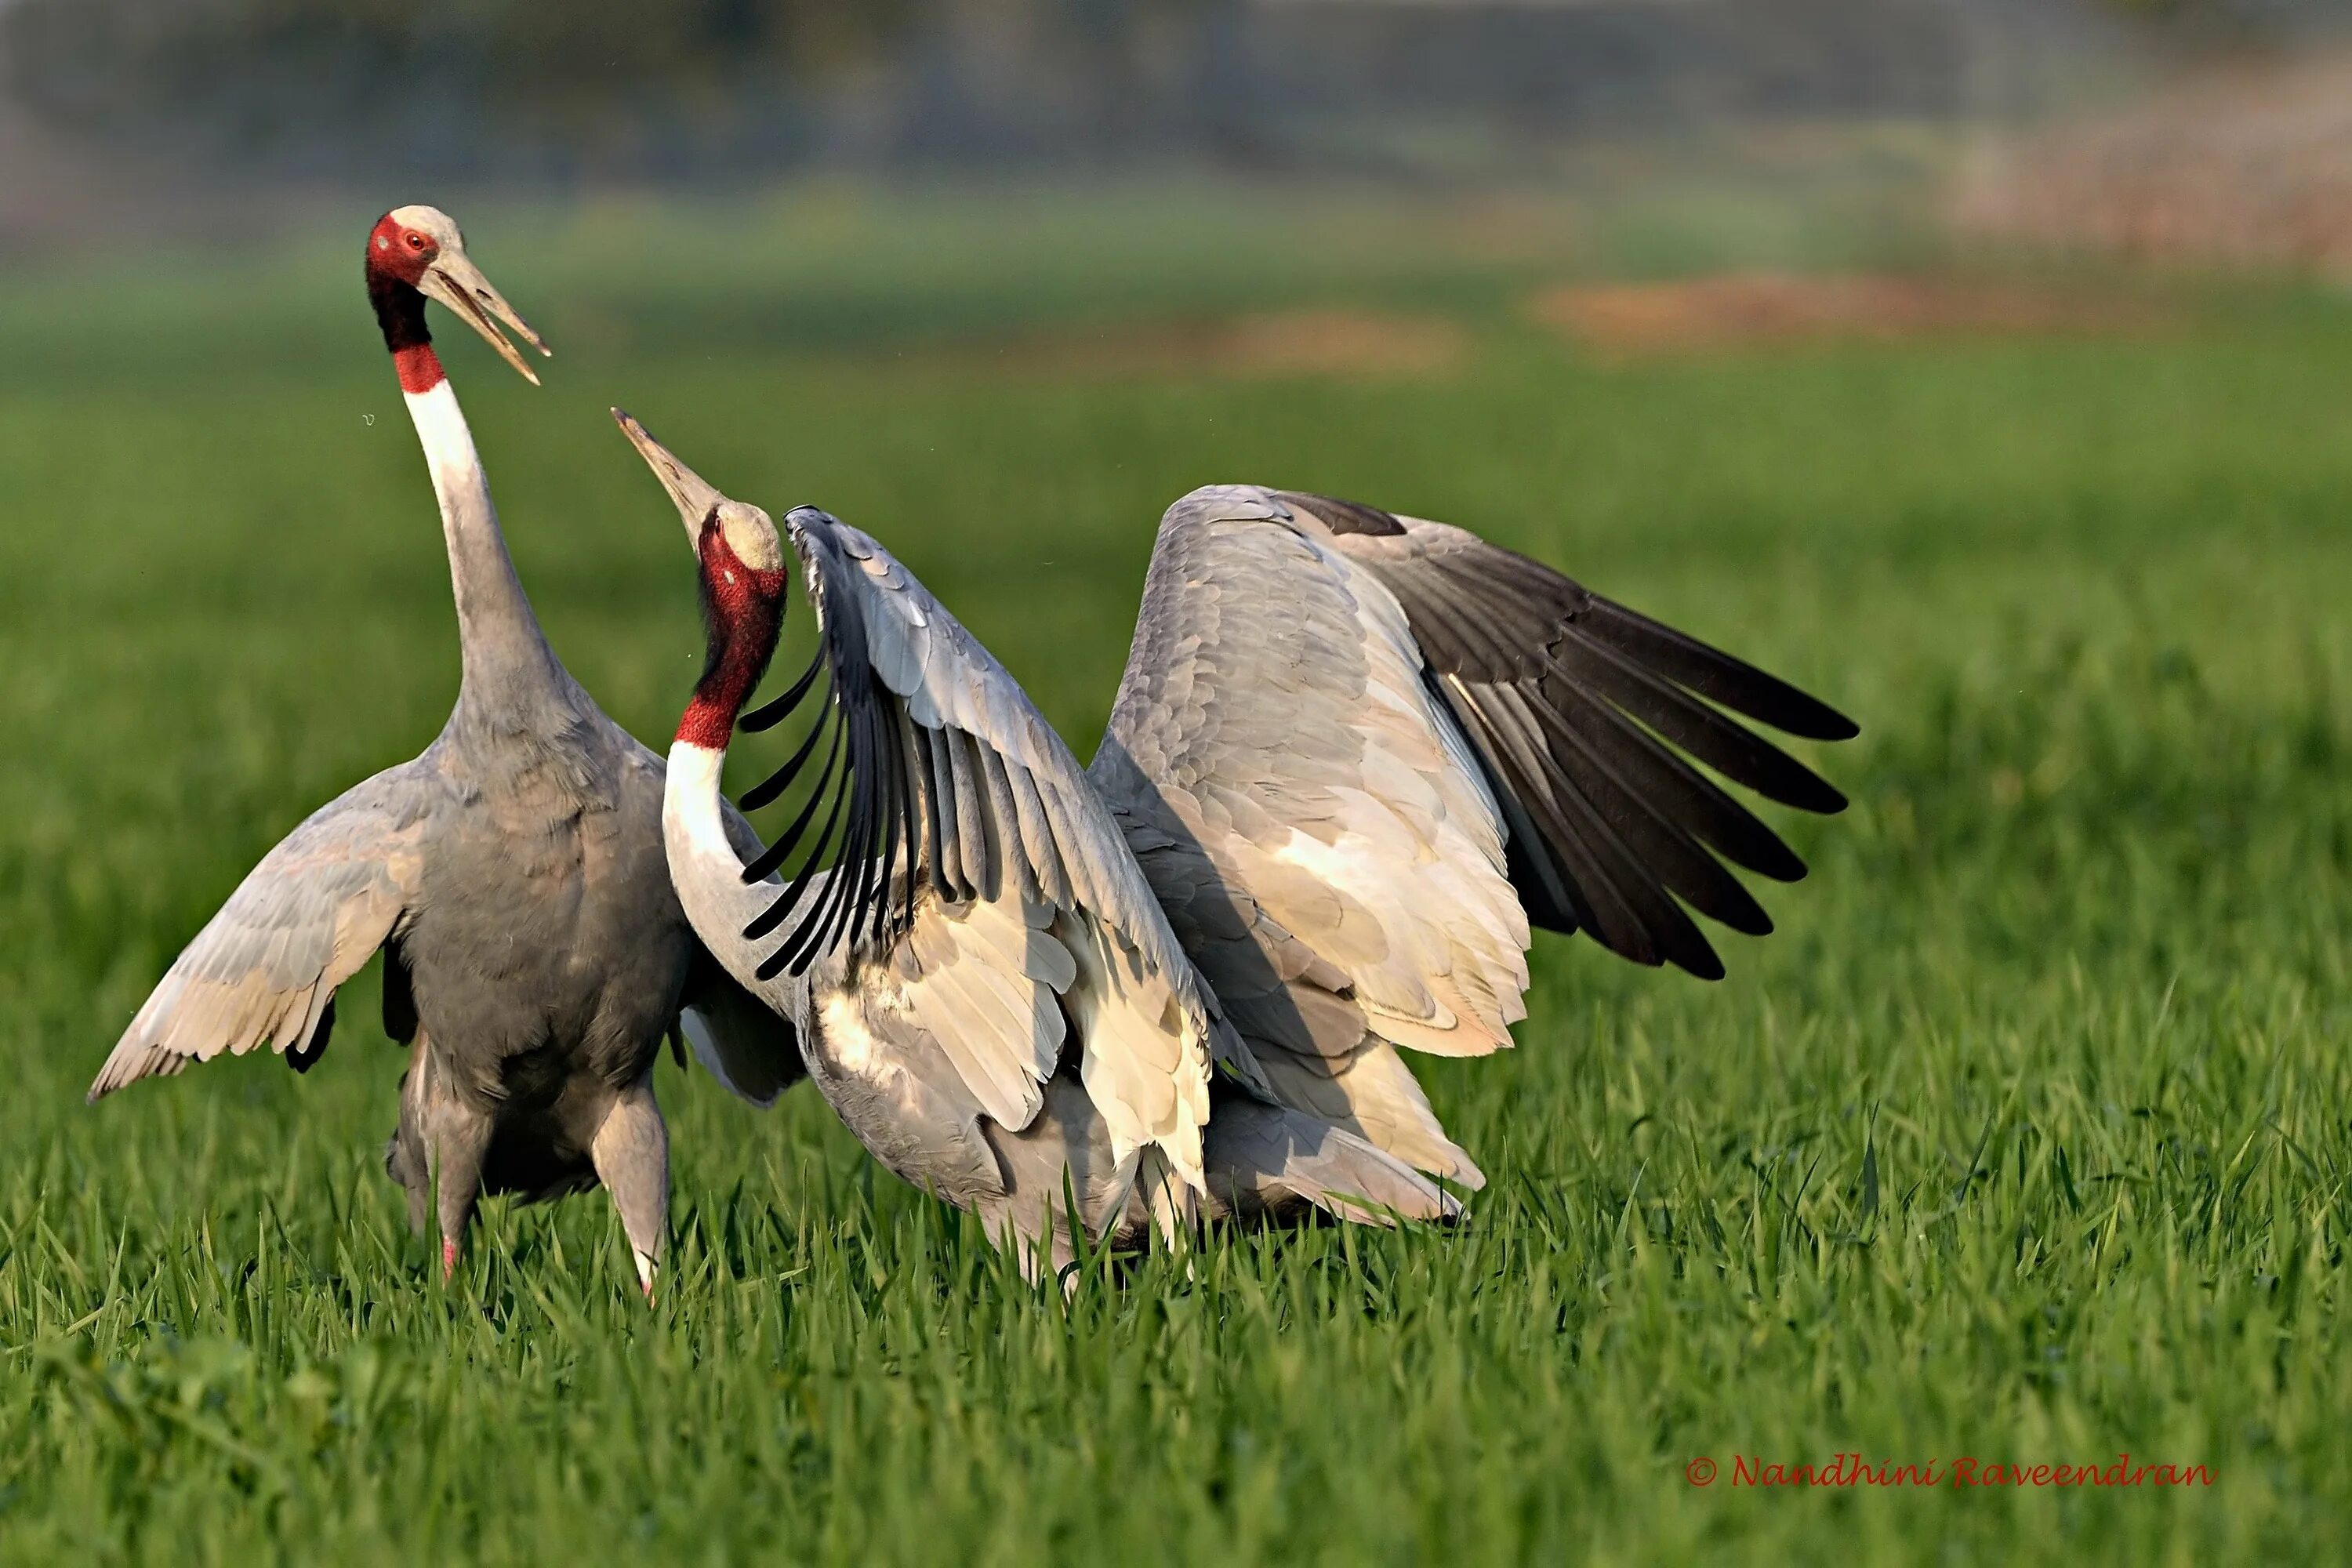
(1359, 755)
(264, 969)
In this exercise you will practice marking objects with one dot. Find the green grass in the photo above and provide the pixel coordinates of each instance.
(2025, 1138)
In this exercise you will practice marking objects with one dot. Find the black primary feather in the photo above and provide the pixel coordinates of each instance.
(870, 898)
(768, 715)
(768, 789)
(1577, 710)
(303, 1056)
(776, 854)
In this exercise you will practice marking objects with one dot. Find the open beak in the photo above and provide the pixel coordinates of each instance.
(459, 285)
(694, 496)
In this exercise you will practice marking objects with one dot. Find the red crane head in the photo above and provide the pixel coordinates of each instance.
(415, 254)
(749, 533)
(741, 569)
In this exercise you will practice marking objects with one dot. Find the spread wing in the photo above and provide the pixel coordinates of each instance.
(1355, 754)
(1577, 707)
(941, 788)
(264, 969)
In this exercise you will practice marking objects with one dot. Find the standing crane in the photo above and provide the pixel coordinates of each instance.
(1354, 756)
(513, 875)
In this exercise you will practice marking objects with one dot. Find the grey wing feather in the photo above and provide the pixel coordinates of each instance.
(1283, 776)
(949, 681)
(1266, 1160)
(264, 969)
(1340, 767)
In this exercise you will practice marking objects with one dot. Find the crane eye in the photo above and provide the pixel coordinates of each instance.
(416, 242)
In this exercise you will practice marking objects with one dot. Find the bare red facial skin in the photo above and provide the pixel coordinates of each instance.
(400, 253)
(743, 612)
(397, 256)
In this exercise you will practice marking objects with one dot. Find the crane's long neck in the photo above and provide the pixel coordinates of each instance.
(507, 661)
(693, 823)
(705, 866)
(743, 612)
(705, 869)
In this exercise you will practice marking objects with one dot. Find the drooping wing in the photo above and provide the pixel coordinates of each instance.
(1351, 779)
(963, 1016)
(740, 1040)
(264, 969)
(940, 780)
(995, 987)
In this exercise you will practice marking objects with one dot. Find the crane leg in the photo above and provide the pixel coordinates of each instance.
(459, 1138)
(437, 1154)
(404, 1159)
(632, 1154)
(405, 1162)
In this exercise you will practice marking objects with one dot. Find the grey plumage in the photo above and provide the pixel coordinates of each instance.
(513, 875)
(264, 970)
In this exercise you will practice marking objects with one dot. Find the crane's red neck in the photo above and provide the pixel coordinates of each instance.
(742, 612)
(397, 256)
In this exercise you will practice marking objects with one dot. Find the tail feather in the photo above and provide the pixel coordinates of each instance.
(1265, 1161)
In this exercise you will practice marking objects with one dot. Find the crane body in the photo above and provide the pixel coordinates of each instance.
(513, 875)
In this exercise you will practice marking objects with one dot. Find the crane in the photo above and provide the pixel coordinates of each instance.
(1353, 758)
(513, 875)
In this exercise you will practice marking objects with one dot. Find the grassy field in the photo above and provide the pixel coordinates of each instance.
(2026, 1138)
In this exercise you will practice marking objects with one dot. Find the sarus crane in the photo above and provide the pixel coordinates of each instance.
(1354, 756)
(535, 956)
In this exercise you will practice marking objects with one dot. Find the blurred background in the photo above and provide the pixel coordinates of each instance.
(1236, 180)
(128, 119)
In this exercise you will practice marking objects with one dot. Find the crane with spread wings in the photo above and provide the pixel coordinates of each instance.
(512, 875)
(1354, 758)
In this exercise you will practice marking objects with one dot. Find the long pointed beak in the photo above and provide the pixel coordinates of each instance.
(459, 285)
(695, 497)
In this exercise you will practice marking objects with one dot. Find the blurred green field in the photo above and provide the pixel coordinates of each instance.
(2025, 1138)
